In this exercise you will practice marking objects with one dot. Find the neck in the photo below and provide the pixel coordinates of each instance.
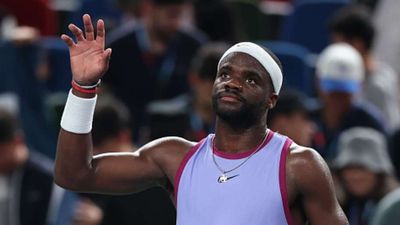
(237, 140)
(157, 45)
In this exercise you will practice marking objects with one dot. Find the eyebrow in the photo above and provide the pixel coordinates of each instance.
(248, 72)
(225, 67)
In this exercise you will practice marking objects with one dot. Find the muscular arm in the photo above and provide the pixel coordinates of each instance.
(308, 177)
(153, 164)
(76, 168)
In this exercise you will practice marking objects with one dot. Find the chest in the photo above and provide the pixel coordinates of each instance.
(252, 191)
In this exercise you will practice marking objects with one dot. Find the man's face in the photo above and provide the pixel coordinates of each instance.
(359, 181)
(168, 19)
(336, 99)
(242, 90)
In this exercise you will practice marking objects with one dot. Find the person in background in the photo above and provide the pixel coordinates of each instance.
(340, 75)
(201, 79)
(26, 180)
(149, 67)
(353, 25)
(111, 133)
(291, 117)
(221, 178)
(365, 172)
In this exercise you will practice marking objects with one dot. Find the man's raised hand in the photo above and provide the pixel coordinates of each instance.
(89, 60)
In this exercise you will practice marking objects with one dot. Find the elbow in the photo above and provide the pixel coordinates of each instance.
(69, 181)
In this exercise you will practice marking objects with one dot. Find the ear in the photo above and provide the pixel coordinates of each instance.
(271, 101)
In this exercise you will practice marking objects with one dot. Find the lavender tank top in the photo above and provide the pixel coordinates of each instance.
(256, 196)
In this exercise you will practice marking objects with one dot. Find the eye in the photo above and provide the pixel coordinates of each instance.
(224, 75)
(250, 81)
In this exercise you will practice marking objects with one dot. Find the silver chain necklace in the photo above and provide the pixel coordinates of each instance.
(223, 178)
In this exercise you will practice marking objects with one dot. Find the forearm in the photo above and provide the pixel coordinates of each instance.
(73, 159)
(74, 149)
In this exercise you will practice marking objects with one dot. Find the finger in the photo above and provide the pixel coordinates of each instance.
(68, 40)
(77, 32)
(101, 32)
(107, 54)
(89, 31)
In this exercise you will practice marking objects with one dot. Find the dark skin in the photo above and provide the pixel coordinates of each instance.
(240, 79)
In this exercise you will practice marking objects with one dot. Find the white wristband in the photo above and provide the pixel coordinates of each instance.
(78, 114)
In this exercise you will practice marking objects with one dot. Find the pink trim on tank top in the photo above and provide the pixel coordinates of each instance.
(182, 167)
(242, 155)
(282, 181)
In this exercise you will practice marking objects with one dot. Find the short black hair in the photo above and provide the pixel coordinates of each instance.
(289, 102)
(205, 62)
(354, 21)
(8, 126)
(110, 118)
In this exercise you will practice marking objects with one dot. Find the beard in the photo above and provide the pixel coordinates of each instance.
(241, 117)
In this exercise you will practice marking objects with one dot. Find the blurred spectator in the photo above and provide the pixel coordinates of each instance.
(150, 62)
(353, 25)
(340, 75)
(151, 207)
(201, 78)
(387, 210)
(290, 117)
(111, 131)
(387, 43)
(11, 31)
(26, 182)
(365, 172)
(64, 10)
(135, 10)
(33, 13)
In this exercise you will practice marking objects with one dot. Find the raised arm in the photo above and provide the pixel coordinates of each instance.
(76, 168)
(308, 177)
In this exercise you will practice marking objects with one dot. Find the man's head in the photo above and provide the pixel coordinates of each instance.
(353, 25)
(167, 17)
(248, 82)
(340, 73)
(290, 117)
(111, 124)
(362, 161)
(13, 152)
(202, 72)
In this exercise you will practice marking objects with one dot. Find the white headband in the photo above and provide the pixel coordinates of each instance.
(263, 57)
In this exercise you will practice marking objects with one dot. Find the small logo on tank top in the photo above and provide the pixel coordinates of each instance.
(223, 178)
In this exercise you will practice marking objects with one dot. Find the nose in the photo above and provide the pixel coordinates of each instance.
(233, 84)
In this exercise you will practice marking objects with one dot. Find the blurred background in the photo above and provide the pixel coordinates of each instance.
(340, 95)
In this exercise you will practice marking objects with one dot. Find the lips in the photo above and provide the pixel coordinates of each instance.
(230, 97)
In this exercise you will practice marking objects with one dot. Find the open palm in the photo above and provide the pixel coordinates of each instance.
(89, 60)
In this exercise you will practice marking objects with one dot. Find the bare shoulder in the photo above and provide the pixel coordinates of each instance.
(308, 177)
(167, 153)
(306, 168)
(300, 156)
(168, 145)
